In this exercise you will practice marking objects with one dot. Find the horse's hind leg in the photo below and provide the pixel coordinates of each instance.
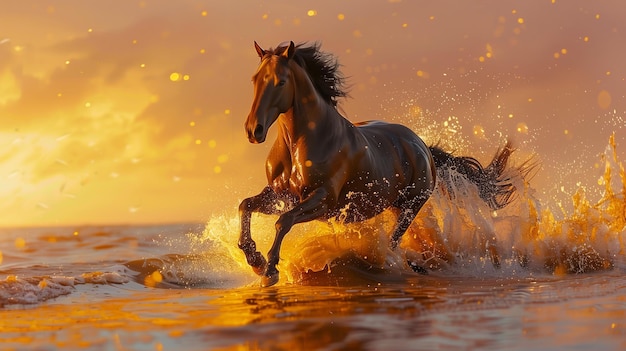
(408, 212)
(405, 218)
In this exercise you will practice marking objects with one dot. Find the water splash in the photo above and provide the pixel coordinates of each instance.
(455, 233)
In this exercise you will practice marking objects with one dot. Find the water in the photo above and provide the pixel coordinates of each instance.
(521, 278)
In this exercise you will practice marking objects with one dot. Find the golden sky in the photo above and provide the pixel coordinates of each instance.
(132, 111)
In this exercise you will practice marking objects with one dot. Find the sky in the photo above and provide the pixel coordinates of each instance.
(128, 112)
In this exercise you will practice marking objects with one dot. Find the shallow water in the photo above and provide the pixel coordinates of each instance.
(352, 307)
(520, 278)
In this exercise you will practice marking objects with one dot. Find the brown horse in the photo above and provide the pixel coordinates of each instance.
(323, 167)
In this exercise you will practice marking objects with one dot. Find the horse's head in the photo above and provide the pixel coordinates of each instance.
(273, 91)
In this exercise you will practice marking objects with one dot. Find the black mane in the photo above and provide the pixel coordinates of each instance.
(323, 70)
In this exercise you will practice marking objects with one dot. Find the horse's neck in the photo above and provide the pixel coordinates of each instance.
(310, 114)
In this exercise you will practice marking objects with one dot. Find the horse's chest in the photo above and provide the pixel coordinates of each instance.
(292, 178)
(296, 178)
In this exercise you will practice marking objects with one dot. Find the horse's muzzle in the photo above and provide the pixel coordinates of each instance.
(258, 135)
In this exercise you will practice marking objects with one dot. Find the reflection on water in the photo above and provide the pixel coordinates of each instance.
(422, 313)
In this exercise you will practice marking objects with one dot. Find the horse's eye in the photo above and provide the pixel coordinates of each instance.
(281, 83)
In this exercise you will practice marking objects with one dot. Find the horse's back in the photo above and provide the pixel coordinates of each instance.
(381, 136)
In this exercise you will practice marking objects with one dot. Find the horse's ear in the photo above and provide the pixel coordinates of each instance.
(259, 51)
(288, 53)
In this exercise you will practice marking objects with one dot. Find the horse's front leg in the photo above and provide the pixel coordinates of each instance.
(313, 207)
(265, 202)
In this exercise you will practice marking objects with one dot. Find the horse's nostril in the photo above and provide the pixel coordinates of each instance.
(258, 131)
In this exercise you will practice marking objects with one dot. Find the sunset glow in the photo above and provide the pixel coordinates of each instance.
(132, 112)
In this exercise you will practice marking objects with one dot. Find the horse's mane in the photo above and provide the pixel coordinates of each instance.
(322, 68)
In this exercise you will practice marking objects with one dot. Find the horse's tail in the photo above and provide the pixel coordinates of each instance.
(495, 187)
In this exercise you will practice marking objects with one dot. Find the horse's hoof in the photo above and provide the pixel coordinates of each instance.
(269, 280)
(259, 265)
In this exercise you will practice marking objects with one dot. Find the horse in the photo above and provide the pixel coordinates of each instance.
(322, 166)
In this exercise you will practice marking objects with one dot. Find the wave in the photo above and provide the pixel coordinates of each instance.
(33, 290)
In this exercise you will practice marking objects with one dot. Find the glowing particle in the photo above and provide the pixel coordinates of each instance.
(157, 277)
(202, 51)
(204, 13)
(20, 243)
(217, 169)
(143, 65)
(530, 99)
(420, 73)
(415, 111)
(563, 51)
(192, 124)
(87, 104)
(198, 141)
(153, 279)
(0, 257)
(278, 22)
(479, 131)
(42, 284)
(520, 20)
(311, 13)
(227, 112)
(186, 77)
(604, 99)
(608, 73)
(522, 128)
(432, 18)
(481, 59)
(212, 144)
(174, 76)
(557, 55)
(265, 16)
(586, 39)
(90, 30)
(223, 158)
(75, 233)
(67, 62)
(357, 33)
(341, 17)
(59, 94)
(597, 16)
(510, 115)
(405, 25)
(134, 41)
(308, 163)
